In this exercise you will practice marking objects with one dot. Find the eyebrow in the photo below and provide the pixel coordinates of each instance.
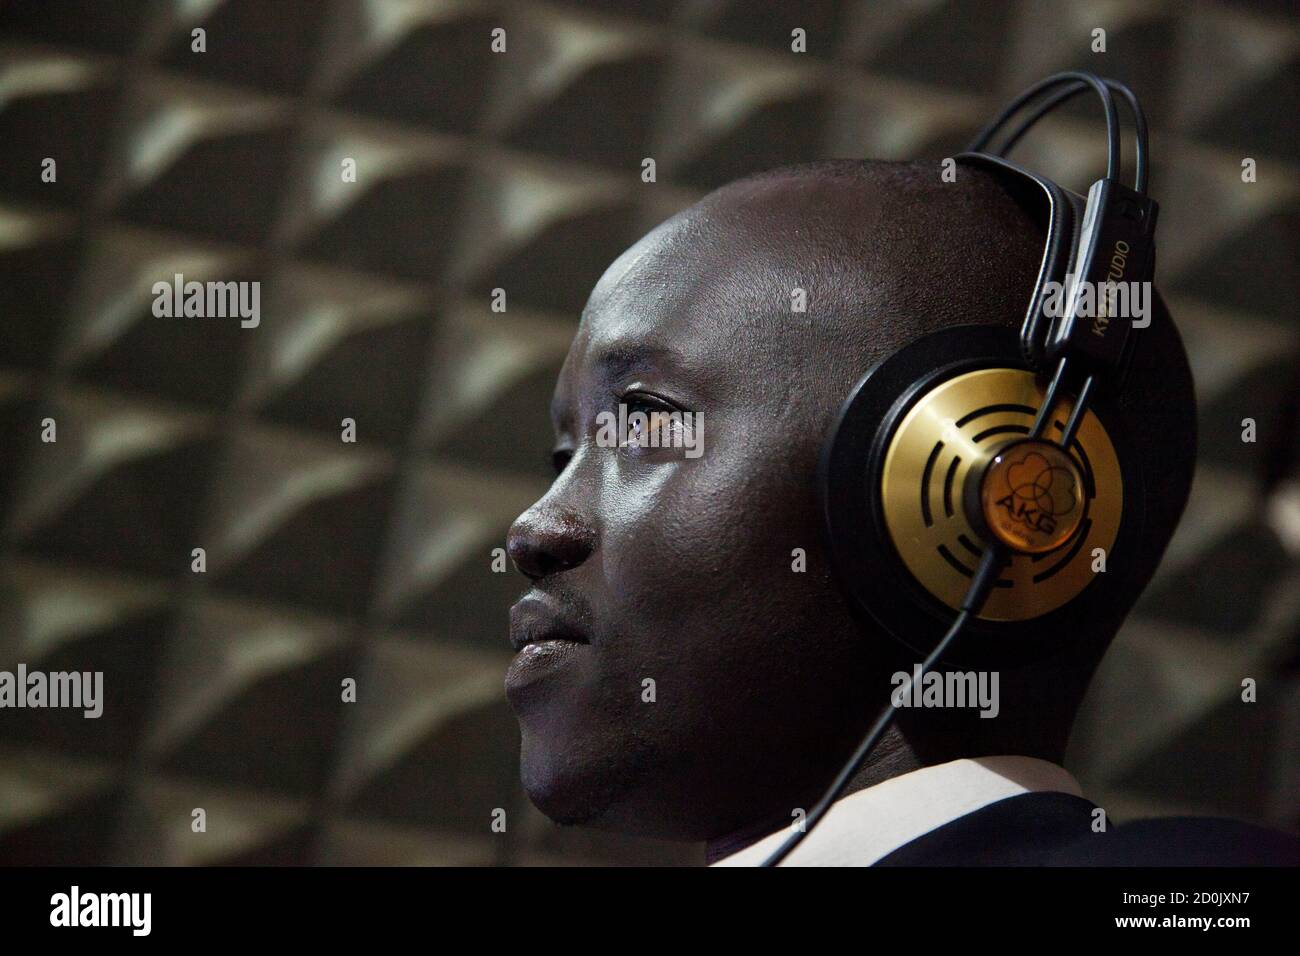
(619, 359)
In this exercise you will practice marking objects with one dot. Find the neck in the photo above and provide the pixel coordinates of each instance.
(892, 757)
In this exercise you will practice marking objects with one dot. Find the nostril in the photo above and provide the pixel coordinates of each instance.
(542, 547)
(538, 562)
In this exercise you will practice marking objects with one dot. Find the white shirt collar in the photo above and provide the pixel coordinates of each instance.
(870, 824)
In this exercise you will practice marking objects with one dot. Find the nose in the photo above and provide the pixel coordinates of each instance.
(545, 543)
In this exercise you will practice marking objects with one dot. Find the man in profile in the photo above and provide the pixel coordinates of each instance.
(676, 676)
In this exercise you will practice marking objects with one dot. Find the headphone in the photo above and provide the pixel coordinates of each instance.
(971, 478)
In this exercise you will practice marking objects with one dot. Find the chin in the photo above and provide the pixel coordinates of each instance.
(556, 787)
(591, 784)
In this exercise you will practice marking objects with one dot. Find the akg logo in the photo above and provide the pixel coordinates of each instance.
(1038, 493)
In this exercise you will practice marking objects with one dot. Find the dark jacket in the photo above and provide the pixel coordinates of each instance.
(1056, 829)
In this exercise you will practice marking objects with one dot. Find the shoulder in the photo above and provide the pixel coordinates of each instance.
(1058, 829)
(1184, 841)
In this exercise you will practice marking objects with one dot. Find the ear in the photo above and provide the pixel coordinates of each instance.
(891, 484)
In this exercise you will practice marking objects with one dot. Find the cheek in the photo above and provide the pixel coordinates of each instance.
(699, 594)
(699, 555)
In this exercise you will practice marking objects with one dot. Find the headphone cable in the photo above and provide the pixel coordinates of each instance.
(989, 567)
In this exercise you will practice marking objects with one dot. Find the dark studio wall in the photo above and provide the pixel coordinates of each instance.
(327, 560)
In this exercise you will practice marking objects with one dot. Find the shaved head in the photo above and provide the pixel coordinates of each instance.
(703, 687)
(886, 252)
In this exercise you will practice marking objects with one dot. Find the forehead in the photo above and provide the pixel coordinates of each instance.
(705, 298)
(682, 292)
(655, 313)
(652, 286)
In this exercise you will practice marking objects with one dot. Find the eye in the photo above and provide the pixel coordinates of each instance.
(652, 408)
(560, 458)
(651, 422)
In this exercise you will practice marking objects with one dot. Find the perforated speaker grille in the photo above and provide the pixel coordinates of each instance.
(953, 428)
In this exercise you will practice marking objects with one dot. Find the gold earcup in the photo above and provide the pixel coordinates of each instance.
(949, 440)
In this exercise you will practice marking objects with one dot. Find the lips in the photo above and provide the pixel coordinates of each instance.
(545, 639)
(537, 618)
